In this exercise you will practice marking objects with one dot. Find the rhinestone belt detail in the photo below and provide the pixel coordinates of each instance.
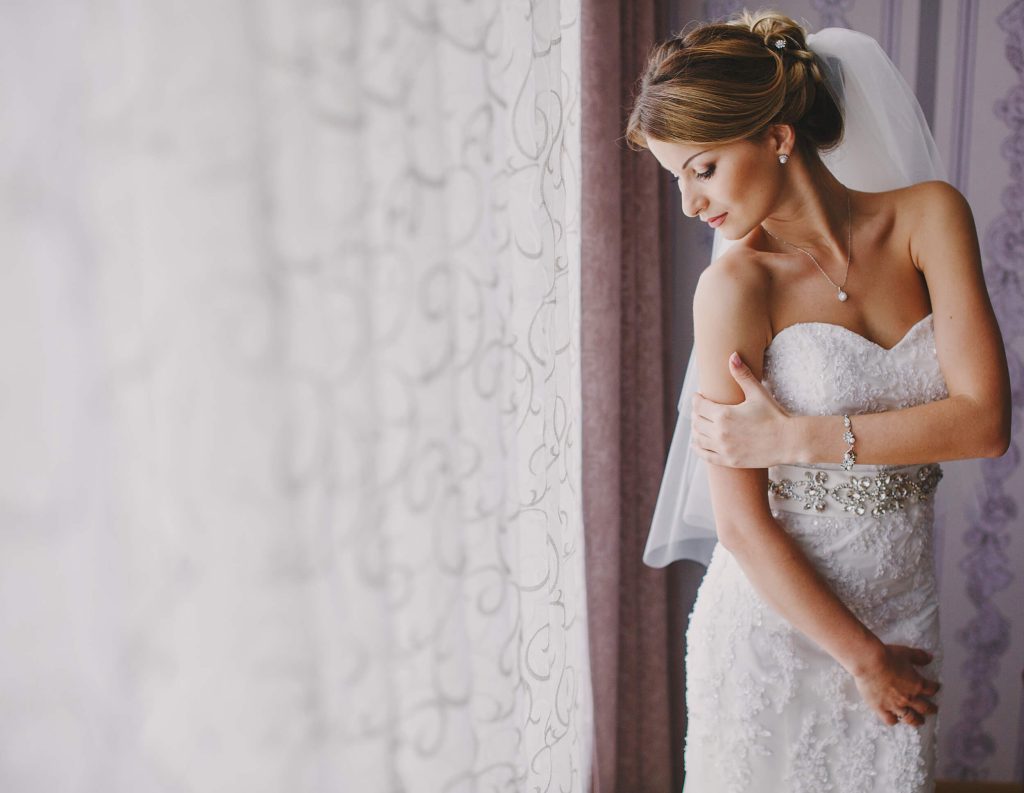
(880, 494)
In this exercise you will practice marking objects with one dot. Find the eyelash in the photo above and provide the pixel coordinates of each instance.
(703, 175)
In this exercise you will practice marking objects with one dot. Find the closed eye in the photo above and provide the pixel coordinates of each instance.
(706, 174)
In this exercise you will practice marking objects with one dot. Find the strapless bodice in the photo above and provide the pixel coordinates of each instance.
(817, 368)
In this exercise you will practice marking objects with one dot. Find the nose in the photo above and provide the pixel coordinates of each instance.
(692, 201)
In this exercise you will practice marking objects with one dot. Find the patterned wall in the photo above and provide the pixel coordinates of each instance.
(964, 60)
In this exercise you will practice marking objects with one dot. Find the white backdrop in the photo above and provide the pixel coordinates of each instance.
(289, 397)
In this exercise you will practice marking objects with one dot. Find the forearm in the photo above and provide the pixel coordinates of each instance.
(954, 428)
(783, 576)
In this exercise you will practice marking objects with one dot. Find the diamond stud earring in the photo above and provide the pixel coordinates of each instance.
(783, 159)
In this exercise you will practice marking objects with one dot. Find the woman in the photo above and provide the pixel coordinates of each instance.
(819, 600)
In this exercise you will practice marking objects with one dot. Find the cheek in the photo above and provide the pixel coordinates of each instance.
(733, 188)
(751, 193)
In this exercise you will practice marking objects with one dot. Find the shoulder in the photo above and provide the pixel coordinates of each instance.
(730, 307)
(929, 200)
(928, 218)
(738, 278)
(933, 203)
(932, 199)
(940, 220)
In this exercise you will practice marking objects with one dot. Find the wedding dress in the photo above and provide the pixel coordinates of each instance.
(769, 711)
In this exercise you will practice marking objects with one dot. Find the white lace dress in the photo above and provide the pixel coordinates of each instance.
(769, 711)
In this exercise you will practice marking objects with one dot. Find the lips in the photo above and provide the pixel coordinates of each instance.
(715, 221)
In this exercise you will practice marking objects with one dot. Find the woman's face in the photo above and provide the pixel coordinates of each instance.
(732, 186)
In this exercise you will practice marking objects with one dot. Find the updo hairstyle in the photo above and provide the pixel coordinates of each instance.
(728, 81)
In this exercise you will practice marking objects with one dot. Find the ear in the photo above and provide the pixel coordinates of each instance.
(782, 138)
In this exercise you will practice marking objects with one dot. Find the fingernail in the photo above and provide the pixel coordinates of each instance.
(734, 359)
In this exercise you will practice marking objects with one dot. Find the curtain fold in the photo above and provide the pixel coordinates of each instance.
(636, 624)
(292, 480)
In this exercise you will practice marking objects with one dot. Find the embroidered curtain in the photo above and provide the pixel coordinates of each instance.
(291, 473)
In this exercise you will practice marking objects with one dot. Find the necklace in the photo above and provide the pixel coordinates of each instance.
(841, 288)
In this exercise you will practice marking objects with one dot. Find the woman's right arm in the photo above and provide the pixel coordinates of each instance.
(729, 314)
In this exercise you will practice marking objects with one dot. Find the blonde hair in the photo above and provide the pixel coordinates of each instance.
(722, 82)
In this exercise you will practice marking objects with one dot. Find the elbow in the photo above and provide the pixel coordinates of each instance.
(987, 426)
(727, 536)
(999, 431)
(733, 537)
(999, 441)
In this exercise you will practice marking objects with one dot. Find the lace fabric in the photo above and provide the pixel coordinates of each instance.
(768, 709)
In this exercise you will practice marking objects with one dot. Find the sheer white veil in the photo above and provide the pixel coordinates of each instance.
(886, 144)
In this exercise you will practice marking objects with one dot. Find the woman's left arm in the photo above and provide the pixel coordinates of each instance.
(973, 421)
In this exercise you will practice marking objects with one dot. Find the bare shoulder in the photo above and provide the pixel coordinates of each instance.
(730, 312)
(922, 200)
(931, 199)
(936, 204)
(737, 278)
(928, 220)
(940, 223)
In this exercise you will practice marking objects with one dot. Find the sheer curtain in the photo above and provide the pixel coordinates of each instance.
(291, 393)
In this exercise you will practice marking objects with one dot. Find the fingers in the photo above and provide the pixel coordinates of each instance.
(923, 706)
(741, 373)
(738, 368)
(704, 408)
(911, 717)
(931, 688)
(914, 654)
(908, 693)
(920, 657)
(702, 451)
(901, 716)
(915, 711)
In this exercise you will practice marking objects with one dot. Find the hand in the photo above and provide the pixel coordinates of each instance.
(753, 434)
(894, 689)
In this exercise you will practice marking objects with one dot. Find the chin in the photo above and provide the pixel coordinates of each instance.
(740, 235)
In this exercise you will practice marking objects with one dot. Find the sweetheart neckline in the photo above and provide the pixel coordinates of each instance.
(836, 325)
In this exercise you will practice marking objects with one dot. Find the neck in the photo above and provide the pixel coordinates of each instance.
(812, 211)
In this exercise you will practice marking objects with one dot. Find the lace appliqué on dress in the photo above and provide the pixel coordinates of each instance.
(770, 711)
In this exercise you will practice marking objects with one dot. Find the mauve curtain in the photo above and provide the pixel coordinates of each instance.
(636, 614)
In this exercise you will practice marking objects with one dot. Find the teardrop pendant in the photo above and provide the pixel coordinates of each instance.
(842, 296)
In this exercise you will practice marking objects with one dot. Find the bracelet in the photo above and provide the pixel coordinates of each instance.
(850, 456)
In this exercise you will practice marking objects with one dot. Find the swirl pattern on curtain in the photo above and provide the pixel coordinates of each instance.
(291, 486)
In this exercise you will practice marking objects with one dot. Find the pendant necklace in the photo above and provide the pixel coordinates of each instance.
(840, 288)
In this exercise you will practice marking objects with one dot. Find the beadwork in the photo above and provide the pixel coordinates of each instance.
(849, 456)
(880, 494)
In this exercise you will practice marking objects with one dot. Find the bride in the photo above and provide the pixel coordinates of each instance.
(812, 651)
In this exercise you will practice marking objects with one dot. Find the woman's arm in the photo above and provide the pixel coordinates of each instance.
(729, 315)
(974, 421)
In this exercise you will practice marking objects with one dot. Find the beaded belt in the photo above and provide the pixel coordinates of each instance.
(885, 490)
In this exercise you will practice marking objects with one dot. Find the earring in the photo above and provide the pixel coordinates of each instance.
(783, 159)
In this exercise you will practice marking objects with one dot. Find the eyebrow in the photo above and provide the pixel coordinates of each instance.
(692, 156)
